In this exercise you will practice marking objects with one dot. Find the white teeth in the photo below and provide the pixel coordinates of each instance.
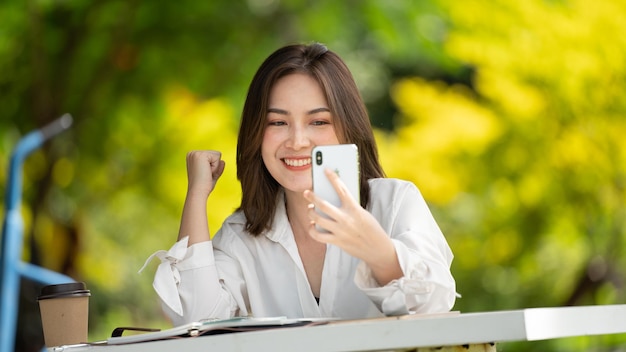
(297, 162)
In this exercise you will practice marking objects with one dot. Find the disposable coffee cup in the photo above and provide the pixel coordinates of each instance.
(64, 312)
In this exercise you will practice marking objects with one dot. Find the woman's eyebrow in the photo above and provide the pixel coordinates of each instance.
(277, 111)
(285, 112)
(318, 110)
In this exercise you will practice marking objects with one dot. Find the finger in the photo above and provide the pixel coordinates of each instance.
(210, 156)
(329, 222)
(340, 187)
(313, 198)
(196, 160)
(320, 205)
(323, 237)
(214, 157)
(312, 213)
(219, 170)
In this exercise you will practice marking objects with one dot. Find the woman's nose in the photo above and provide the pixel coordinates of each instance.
(298, 138)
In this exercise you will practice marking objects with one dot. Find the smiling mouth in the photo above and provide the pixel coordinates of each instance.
(297, 162)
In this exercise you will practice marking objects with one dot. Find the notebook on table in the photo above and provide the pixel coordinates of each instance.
(212, 327)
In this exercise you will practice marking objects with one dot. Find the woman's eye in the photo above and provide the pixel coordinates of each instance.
(276, 123)
(320, 123)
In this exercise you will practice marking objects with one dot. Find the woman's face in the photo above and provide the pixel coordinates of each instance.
(298, 119)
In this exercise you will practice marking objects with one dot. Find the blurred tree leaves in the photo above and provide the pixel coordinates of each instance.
(527, 169)
(508, 117)
(558, 171)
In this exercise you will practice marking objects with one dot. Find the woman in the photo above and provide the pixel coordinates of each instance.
(385, 256)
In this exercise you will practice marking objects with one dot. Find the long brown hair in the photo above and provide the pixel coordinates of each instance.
(259, 188)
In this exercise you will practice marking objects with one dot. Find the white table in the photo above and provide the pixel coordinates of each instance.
(401, 332)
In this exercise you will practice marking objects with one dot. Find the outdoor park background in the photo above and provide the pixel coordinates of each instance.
(510, 116)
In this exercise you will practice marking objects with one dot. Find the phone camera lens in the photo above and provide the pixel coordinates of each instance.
(318, 157)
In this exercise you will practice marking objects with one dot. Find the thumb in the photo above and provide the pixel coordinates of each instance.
(219, 169)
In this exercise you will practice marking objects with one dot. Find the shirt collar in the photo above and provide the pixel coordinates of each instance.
(281, 229)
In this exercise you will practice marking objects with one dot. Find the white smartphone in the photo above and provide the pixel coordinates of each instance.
(343, 159)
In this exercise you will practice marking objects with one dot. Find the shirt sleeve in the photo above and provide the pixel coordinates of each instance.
(188, 285)
(427, 285)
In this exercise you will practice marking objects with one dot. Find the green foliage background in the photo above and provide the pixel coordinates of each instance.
(509, 116)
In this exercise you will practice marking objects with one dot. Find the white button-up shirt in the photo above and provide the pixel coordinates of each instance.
(237, 274)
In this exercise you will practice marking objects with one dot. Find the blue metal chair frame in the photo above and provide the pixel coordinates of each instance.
(11, 265)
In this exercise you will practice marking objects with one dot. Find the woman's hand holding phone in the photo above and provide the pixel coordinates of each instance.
(354, 230)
